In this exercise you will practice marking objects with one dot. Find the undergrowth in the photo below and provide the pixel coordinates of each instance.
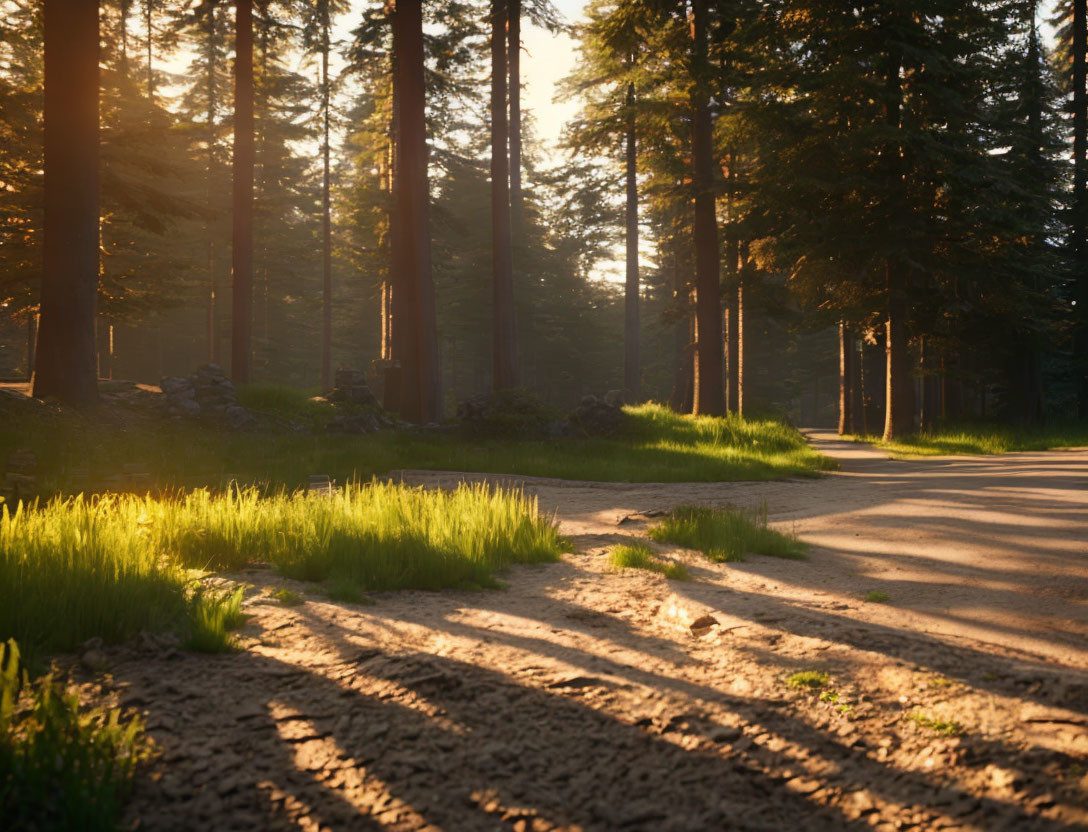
(640, 556)
(985, 439)
(113, 565)
(61, 767)
(657, 445)
(808, 680)
(214, 616)
(944, 727)
(726, 534)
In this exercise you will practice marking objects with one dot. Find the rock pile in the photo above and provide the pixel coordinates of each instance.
(359, 409)
(510, 414)
(350, 387)
(207, 394)
(19, 482)
(601, 416)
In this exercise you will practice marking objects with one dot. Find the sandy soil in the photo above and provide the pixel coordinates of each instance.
(581, 698)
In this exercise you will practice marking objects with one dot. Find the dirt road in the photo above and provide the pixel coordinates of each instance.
(582, 698)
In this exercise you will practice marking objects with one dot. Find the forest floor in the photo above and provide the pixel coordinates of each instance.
(582, 697)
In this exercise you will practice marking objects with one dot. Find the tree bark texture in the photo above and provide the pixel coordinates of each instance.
(899, 390)
(415, 327)
(65, 364)
(846, 379)
(709, 392)
(326, 213)
(513, 31)
(1080, 200)
(242, 233)
(504, 373)
(631, 362)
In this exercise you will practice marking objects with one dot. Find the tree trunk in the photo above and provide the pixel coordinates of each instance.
(1080, 200)
(742, 271)
(513, 12)
(846, 379)
(732, 266)
(899, 390)
(631, 365)
(242, 246)
(65, 361)
(415, 329)
(505, 345)
(680, 396)
(394, 308)
(326, 214)
(31, 343)
(875, 381)
(210, 54)
(856, 426)
(709, 393)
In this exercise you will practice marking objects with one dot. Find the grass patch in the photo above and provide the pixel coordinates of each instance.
(657, 446)
(343, 590)
(875, 596)
(111, 566)
(61, 767)
(726, 534)
(808, 680)
(288, 598)
(640, 556)
(985, 439)
(214, 616)
(944, 727)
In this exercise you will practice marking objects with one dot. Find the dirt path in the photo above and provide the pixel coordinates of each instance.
(581, 698)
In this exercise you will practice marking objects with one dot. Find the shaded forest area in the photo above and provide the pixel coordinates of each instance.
(241, 184)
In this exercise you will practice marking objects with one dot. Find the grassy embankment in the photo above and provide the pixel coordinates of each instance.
(657, 446)
(984, 440)
(114, 565)
(111, 566)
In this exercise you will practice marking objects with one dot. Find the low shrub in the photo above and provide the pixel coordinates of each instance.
(726, 534)
(640, 556)
(61, 767)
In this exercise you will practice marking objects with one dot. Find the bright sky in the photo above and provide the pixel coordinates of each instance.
(546, 60)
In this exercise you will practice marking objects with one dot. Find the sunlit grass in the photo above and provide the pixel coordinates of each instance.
(985, 440)
(944, 727)
(808, 680)
(114, 565)
(288, 597)
(726, 534)
(640, 556)
(213, 617)
(656, 446)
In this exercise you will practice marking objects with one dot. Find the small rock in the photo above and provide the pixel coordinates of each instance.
(94, 660)
(701, 625)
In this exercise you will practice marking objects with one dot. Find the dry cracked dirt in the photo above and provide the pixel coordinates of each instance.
(583, 698)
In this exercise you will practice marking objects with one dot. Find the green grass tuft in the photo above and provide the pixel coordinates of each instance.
(111, 566)
(214, 616)
(640, 556)
(985, 439)
(61, 767)
(808, 680)
(944, 727)
(343, 590)
(875, 596)
(725, 534)
(288, 598)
